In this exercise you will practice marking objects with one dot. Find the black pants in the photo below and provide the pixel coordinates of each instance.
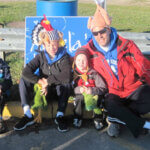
(61, 92)
(2, 104)
(129, 109)
(79, 106)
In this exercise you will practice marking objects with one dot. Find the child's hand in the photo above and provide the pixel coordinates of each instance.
(88, 90)
(82, 89)
(44, 91)
(43, 82)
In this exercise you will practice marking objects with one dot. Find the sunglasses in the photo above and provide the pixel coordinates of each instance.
(101, 32)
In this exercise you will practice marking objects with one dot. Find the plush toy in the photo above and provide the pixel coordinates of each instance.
(91, 103)
(40, 102)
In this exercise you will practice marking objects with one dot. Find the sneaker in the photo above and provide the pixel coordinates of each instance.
(24, 122)
(98, 123)
(3, 127)
(62, 127)
(113, 129)
(77, 122)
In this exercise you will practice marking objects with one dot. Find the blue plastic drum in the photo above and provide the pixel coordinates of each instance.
(56, 7)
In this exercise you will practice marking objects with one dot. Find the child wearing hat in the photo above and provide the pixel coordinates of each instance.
(54, 76)
(89, 89)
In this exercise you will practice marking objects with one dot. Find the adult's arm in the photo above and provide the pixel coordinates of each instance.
(140, 62)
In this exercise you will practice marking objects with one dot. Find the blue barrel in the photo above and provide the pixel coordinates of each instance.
(56, 7)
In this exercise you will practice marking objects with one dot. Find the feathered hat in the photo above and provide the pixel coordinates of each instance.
(44, 32)
(100, 19)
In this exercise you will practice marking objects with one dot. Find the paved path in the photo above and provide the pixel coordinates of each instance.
(46, 137)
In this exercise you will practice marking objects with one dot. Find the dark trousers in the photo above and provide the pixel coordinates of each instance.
(60, 92)
(129, 109)
(2, 104)
(3, 100)
(79, 106)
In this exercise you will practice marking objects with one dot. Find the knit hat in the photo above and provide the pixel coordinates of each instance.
(82, 50)
(84, 76)
(100, 19)
(44, 32)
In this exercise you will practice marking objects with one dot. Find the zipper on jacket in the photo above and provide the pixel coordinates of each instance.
(49, 67)
(108, 71)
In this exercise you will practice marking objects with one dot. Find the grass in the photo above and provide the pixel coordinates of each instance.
(16, 11)
(124, 18)
(130, 18)
(16, 62)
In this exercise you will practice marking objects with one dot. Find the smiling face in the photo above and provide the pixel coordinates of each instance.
(51, 47)
(81, 62)
(102, 36)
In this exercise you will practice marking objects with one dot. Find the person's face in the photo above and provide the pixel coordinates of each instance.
(52, 47)
(102, 36)
(81, 62)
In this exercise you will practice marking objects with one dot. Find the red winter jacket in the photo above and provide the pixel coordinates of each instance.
(133, 67)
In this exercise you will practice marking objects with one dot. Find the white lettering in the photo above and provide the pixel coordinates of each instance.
(73, 47)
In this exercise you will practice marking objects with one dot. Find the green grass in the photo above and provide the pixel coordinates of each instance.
(16, 62)
(16, 11)
(130, 18)
(124, 18)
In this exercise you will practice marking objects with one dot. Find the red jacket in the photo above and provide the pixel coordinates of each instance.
(133, 67)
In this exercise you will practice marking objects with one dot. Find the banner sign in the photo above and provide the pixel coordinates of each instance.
(74, 30)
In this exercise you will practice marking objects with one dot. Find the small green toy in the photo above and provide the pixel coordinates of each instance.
(40, 102)
(39, 99)
(91, 103)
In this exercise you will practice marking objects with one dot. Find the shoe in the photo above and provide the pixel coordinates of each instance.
(77, 122)
(98, 123)
(113, 129)
(3, 127)
(60, 122)
(24, 122)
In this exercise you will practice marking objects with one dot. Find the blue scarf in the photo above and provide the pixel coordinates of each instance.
(60, 53)
(111, 54)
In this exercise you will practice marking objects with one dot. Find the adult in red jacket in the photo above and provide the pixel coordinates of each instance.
(126, 71)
